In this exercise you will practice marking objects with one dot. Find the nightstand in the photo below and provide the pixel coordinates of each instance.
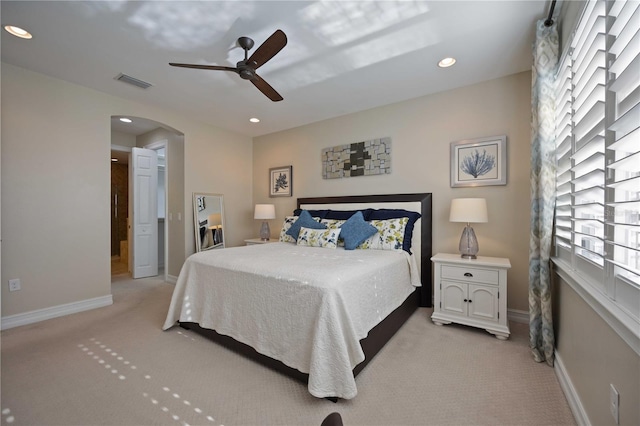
(253, 241)
(471, 292)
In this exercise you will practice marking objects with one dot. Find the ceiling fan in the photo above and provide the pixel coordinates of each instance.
(246, 68)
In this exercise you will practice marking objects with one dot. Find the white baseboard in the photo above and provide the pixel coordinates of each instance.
(172, 279)
(575, 405)
(31, 317)
(516, 315)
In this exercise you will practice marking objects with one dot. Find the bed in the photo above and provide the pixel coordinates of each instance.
(309, 312)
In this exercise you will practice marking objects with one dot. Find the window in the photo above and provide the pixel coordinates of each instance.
(597, 229)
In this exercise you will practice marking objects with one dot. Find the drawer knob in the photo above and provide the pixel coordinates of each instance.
(465, 300)
(468, 274)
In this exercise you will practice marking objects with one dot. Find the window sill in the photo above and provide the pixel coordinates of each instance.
(622, 323)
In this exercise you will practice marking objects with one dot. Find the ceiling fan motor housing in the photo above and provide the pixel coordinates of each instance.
(245, 71)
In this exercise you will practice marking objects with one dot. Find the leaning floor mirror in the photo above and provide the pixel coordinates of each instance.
(208, 218)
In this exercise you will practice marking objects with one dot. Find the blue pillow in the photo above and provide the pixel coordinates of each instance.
(382, 214)
(304, 220)
(355, 230)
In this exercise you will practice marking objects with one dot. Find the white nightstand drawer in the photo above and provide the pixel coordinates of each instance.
(470, 274)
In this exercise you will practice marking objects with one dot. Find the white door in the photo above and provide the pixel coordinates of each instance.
(144, 177)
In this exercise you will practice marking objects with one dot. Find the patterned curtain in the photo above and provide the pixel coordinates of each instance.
(543, 186)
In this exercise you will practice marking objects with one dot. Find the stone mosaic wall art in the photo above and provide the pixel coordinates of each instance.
(366, 158)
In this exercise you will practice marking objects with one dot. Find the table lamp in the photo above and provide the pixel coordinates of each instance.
(265, 212)
(469, 210)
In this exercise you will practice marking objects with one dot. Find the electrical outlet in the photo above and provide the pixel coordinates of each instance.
(614, 404)
(14, 284)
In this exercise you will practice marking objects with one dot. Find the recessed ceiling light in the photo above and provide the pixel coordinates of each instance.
(254, 120)
(18, 32)
(125, 120)
(446, 62)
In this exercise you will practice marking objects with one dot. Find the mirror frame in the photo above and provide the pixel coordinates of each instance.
(199, 204)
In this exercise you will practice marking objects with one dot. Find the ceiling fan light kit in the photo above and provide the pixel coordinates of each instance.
(246, 68)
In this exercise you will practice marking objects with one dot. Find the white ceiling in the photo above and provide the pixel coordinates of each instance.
(341, 56)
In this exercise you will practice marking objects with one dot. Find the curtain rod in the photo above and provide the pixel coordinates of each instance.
(549, 21)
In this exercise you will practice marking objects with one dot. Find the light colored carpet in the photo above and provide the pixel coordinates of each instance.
(115, 366)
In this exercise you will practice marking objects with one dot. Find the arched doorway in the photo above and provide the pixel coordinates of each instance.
(169, 144)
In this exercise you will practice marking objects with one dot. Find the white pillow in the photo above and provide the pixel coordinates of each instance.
(326, 238)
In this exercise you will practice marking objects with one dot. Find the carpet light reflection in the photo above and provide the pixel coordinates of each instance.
(173, 404)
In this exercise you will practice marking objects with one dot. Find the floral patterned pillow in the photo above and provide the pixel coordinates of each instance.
(334, 224)
(326, 238)
(390, 235)
(288, 221)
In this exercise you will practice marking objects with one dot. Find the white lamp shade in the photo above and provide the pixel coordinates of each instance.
(265, 211)
(469, 210)
(215, 219)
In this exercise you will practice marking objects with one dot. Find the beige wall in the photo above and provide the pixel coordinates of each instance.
(55, 186)
(595, 357)
(122, 139)
(421, 131)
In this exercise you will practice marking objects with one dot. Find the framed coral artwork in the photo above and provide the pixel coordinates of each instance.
(479, 162)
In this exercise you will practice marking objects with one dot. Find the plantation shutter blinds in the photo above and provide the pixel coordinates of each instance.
(563, 220)
(597, 223)
(588, 163)
(623, 156)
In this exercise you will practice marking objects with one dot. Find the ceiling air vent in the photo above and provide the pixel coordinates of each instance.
(133, 81)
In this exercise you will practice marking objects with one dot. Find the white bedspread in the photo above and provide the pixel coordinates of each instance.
(305, 306)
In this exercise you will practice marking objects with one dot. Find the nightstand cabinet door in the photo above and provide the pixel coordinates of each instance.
(472, 292)
(470, 300)
(454, 298)
(483, 303)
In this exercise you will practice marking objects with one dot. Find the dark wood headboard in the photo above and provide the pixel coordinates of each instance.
(379, 201)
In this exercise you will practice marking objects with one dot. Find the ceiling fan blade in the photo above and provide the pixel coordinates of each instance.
(268, 49)
(204, 67)
(265, 88)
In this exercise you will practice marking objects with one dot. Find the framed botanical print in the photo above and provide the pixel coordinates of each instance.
(281, 181)
(479, 162)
